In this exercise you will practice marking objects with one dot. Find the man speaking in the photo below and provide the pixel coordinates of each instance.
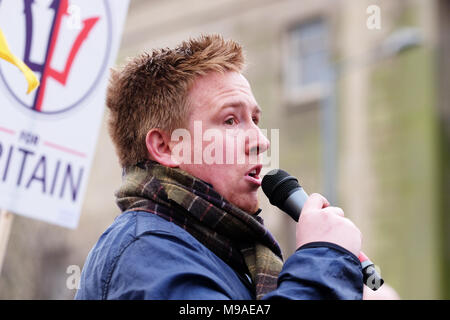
(189, 227)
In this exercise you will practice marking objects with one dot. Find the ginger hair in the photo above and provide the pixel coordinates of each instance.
(150, 91)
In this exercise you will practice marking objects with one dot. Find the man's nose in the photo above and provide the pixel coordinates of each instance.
(256, 142)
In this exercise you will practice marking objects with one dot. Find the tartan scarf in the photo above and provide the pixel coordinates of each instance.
(238, 238)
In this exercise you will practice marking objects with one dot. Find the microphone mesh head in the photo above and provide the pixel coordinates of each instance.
(278, 185)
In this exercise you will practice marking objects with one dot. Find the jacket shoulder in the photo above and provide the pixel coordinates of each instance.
(140, 247)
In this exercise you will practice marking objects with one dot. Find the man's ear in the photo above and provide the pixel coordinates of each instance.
(159, 147)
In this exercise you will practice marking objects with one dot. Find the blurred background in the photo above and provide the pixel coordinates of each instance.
(359, 90)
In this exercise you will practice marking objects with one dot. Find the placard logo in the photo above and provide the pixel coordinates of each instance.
(68, 58)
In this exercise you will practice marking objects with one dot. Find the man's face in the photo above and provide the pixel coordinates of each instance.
(228, 156)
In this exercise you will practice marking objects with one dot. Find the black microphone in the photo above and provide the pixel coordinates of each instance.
(284, 191)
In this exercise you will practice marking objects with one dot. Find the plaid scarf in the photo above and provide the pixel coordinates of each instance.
(238, 238)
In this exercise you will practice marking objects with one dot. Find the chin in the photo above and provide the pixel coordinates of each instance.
(249, 208)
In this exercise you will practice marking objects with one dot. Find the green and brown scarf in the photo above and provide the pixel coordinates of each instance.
(238, 238)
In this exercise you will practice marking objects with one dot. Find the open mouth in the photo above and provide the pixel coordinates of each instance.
(253, 174)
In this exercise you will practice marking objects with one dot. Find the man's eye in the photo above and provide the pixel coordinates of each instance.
(230, 121)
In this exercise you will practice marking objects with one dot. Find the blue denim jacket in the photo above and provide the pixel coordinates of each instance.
(142, 256)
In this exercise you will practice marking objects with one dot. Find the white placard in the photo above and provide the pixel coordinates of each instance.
(48, 138)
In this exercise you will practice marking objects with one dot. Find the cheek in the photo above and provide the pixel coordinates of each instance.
(223, 178)
(233, 149)
(217, 175)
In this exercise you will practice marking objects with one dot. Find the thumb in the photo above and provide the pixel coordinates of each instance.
(316, 201)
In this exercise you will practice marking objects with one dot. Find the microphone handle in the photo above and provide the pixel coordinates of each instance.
(371, 276)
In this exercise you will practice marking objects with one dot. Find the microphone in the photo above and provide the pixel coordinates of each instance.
(284, 191)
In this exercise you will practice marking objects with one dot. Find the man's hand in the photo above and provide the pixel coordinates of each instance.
(321, 222)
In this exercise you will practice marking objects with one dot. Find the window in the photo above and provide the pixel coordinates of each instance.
(307, 67)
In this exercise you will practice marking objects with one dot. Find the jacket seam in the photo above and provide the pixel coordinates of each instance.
(113, 265)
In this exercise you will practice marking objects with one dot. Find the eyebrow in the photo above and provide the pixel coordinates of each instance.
(239, 104)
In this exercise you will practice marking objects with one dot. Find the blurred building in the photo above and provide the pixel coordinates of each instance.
(359, 92)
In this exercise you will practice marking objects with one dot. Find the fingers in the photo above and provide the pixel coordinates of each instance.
(334, 210)
(321, 222)
(338, 211)
(315, 201)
